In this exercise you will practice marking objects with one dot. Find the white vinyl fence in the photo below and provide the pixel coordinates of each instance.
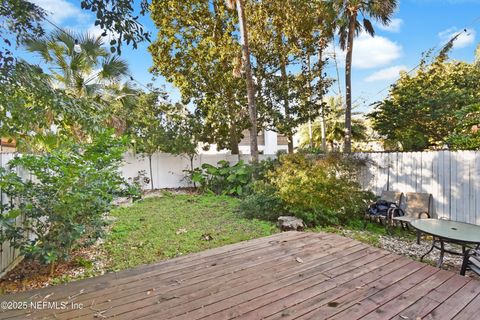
(453, 178)
(169, 171)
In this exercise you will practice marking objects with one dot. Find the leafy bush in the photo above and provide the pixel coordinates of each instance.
(223, 179)
(64, 203)
(321, 191)
(466, 135)
(263, 203)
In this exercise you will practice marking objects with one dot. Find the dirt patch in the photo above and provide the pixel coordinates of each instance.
(31, 274)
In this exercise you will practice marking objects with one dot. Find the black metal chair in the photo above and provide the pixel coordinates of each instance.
(471, 261)
(390, 196)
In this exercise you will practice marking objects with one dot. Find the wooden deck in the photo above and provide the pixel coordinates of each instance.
(291, 275)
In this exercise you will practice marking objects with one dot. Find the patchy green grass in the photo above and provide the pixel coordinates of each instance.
(369, 235)
(173, 225)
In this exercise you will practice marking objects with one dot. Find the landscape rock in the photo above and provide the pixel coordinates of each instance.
(288, 223)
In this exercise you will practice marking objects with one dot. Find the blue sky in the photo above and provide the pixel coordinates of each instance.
(417, 26)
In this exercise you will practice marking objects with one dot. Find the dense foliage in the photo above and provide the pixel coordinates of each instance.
(431, 109)
(224, 178)
(38, 116)
(466, 134)
(64, 202)
(321, 191)
(263, 203)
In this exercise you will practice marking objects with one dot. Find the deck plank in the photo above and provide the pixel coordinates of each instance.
(213, 283)
(335, 278)
(350, 293)
(454, 305)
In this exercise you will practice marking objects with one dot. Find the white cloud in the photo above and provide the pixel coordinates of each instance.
(390, 73)
(394, 25)
(61, 10)
(466, 37)
(370, 52)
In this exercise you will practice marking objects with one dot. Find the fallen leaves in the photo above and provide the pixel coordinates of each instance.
(180, 231)
(206, 237)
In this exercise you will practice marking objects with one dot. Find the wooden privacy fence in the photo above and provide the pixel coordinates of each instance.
(9, 256)
(452, 177)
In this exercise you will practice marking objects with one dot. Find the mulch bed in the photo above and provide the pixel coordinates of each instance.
(30, 274)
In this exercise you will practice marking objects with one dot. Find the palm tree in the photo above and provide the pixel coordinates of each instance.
(348, 28)
(334, 127)
(252, 108)
(91, 72)
(83, 74)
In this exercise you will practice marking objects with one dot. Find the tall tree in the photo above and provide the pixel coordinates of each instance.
(148, 125)
(252, 108)
(348, 27)
(286, 35)
(198, 51)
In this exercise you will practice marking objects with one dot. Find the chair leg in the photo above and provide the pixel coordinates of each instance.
(466, 257)
(442, 253)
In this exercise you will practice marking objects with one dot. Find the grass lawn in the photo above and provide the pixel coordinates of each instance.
(173, 225)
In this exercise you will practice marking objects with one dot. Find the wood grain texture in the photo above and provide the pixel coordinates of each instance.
(336, 278)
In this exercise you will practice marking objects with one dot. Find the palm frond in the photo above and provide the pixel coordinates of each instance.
(40, 47)
(113, 68)
(368, 27)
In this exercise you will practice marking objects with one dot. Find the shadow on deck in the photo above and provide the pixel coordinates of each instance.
(290, 275)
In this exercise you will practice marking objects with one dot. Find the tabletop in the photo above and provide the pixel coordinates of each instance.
(451, 230)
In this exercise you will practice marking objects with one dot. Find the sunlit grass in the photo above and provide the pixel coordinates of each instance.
(174, 225)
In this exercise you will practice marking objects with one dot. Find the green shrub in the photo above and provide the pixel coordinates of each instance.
(263, 203)
(63, 205)
(322, 190)
(224, 179)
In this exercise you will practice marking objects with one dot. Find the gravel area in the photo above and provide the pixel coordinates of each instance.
(409, 247)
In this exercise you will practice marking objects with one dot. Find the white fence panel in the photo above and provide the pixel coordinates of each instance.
(452, 177)
(9, 256)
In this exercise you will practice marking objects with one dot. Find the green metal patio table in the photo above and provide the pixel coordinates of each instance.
(446, 231)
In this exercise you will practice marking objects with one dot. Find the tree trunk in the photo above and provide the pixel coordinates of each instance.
(348, 84)
(233, 140)
(310, 94)
(52, 268)
(290, 143)
(232, 128)
(285, 90)
(151, 171)
(323, 129)
(252, 109)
